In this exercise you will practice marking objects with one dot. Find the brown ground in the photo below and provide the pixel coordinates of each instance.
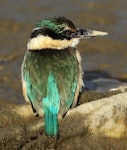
(88, 142)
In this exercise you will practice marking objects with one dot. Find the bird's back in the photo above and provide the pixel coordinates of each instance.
(51, 78)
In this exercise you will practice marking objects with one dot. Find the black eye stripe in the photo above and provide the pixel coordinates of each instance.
(35, 33)
(47, 32)
(67, 32)
(43, 31)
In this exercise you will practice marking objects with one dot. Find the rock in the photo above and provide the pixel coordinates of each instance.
(104, 85)
(105, 117)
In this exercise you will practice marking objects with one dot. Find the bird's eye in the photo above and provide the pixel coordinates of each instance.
(67, 32)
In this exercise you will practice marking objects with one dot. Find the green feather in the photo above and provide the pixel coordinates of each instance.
(50, 106)
(52, 100)
(51, 78)
(52, 24)
(51, 124)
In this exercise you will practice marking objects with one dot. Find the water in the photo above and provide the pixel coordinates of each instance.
(17, 19)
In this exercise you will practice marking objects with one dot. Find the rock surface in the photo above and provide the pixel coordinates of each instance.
(104, 121)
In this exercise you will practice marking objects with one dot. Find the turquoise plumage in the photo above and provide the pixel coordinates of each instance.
(51, 104)
(51, 77)
(51, 70)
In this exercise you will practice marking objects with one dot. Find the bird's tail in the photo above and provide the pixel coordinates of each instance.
(51, 124)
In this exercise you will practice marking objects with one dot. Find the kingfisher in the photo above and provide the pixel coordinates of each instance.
(51, 69)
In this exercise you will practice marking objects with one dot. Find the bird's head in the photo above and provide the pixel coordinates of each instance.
(58, 33)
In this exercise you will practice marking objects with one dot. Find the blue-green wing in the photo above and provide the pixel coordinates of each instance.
(51, 78)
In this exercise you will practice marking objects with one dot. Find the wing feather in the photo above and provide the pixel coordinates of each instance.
(37, 67)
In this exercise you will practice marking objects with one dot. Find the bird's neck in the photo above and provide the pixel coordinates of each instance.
(45, 42)
(54, 52)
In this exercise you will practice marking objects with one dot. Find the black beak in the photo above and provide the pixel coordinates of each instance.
(86, 34)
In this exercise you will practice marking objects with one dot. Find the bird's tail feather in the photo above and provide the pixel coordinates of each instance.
(51, 124)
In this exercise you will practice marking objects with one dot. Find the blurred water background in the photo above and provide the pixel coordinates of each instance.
(102, 57)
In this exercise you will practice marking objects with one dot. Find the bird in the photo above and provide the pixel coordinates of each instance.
(51, 71)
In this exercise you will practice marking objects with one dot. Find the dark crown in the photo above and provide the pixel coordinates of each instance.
(56, 28)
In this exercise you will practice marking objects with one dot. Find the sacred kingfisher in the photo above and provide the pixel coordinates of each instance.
(51, 69)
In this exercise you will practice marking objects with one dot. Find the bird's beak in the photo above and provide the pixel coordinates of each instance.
(86, 34)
